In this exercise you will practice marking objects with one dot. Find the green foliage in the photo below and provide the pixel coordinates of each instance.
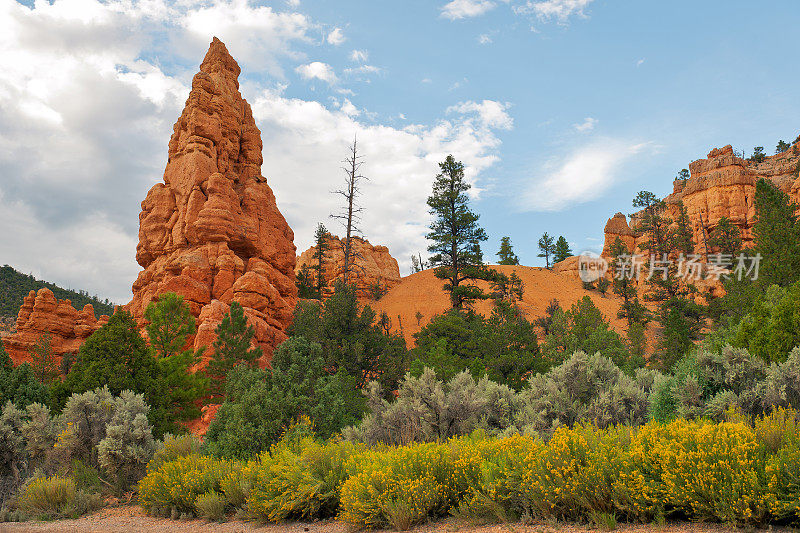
(758, 155)
(681, 234)
(173, 447)
(352, 340)
(584, 328)
(504, 346)
(260, 405)
(782, 146)
(231, 347)
(683, 175)
(170, 324)
(15, 286)
(725, 238)
(428, 409)
(40, 431)
(455, 235)
(85, 418)
(583, 388)
(562, 250)
(776, 235)
(306, 287)
(43, 360)
(547, 248)
(321, 237)
(128, 443)
(772, 327)
(682, 320)
(19, 385)
(301, 479)
(506, 253)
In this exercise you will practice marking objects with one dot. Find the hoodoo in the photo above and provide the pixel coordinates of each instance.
(212, 232)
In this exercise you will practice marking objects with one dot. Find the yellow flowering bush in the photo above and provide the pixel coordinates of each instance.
(177, 484)
(300, 479)
(402, 486)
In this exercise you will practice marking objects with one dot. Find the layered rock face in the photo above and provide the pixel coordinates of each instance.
(373, 266)
(42, 313)
(722, 185)
(212, 232)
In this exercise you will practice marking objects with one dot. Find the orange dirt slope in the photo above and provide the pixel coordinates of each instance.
(422, 292)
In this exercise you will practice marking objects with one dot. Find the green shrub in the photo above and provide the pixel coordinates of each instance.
(49, 496)
(211, 505)
(301, 479)
(128, 445)
(172, 447)
(13, 462)
(177, 484)
(39, 431)
(427, 409)
(583, 388)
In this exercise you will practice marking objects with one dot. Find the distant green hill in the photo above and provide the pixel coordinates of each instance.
(14, 286)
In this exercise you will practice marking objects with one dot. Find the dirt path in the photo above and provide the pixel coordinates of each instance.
(133, 519)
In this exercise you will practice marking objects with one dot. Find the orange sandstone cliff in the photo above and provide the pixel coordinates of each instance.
(721, 185)
(41, 314)
(373, 266)
(212, 232)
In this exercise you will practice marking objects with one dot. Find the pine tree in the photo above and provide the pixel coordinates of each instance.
(350, 215)
(782, 146)
(415, 267)
(758, 154)
(232, 346)
(776, 236)
(726, 237)
(306, 284)
(456, 235)
(546, 248)
(43, 360)
(562, 250)
(171, 323)
(506, 253)
(682, 239)
(321, 238)
(653, 223)
(683, 175)
(625, 287)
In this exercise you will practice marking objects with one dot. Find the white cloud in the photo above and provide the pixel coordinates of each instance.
(579, 177)
(459, 9)
(484, 39)
(336, 37)
(560, 10)
(640, 62)
(588, 124)
(359, 56)
(317, 70)
(491, 114)
(426, 80)
(307, 141)
(90, 90)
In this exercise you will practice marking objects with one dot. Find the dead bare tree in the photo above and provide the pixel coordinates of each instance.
(350, 216)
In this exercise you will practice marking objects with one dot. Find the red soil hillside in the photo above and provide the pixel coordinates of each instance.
(423, 292)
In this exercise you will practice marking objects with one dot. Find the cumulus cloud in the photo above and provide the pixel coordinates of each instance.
(460, 9)
(588, 124)
(490, 113)
(336, 37)
(317, 70)
(89, 92)
(484, 39)
(580, 176)
(559, 10)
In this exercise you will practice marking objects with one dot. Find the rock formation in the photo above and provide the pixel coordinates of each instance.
(373, 266)
(42, 313)
(722, 185)
(212, 231)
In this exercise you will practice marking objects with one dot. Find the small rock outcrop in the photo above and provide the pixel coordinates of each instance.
(42, 313)
(212, 231)
(374, 269)
(721, 185)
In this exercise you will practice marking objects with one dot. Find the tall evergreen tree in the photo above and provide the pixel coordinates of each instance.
(321, 237)
(562, 250)
(547, 248)
(682, 240)
(782, 146)
(170, 324)
(506, 253)
(306, 283)
(232, 346)
(776, 236)
(455, 235)
(726, 237)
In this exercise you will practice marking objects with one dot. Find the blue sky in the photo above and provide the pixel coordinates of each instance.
(561, 109)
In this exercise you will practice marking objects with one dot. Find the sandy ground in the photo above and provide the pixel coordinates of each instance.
(133, 519)
(422, 292)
